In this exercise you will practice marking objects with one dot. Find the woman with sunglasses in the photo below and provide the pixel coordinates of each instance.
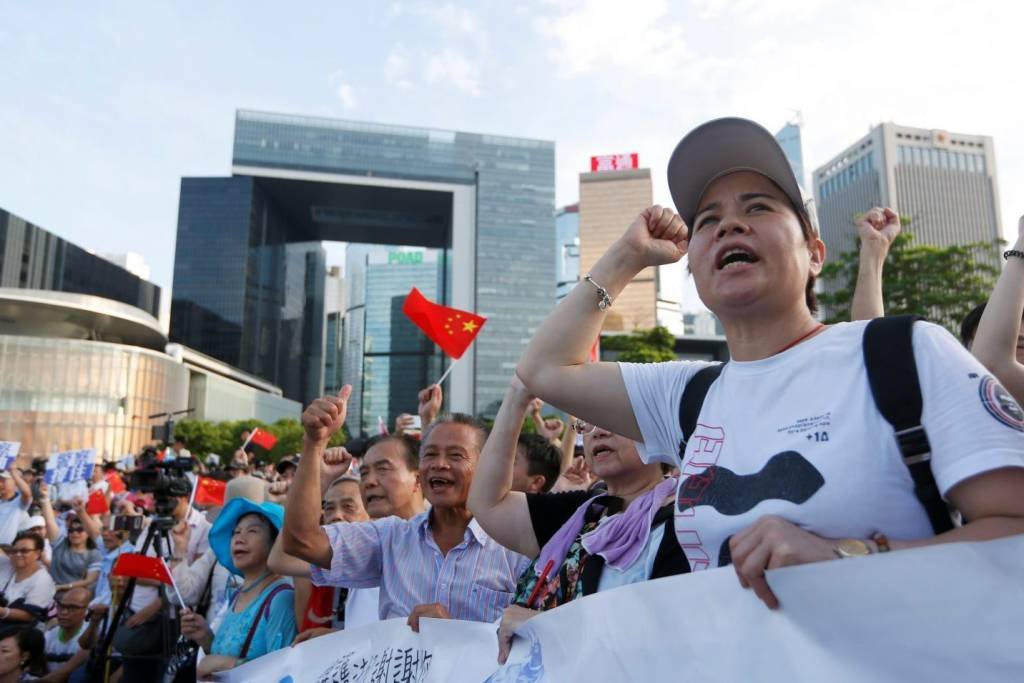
(582, 542)
(75, 562)
(26, 589)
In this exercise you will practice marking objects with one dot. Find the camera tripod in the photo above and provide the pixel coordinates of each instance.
(158, 537)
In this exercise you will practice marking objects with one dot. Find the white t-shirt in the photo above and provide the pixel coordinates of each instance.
(38, 589)
(54, 646)
(642, 567)
(12, 512)
(798, 435)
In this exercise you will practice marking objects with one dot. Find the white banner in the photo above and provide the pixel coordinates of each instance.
(69, 466)
(952, 612)
(8, 453)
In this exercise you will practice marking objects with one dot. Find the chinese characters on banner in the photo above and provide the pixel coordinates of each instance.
(614, 162)
(70, 466)
(8, 453)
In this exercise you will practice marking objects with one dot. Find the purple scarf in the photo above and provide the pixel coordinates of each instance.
(619, 541)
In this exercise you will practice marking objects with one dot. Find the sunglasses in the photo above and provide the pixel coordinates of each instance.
(75, 529)
(63, 606)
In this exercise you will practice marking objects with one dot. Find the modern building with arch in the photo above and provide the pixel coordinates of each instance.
(249, 269)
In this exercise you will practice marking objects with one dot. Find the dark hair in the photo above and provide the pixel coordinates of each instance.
(180, 439)
(89, 543)
(969, 326)
(807, 228)
(410, 448)
(31, 642)
(37, 541)
(542, 458)
(460, 419)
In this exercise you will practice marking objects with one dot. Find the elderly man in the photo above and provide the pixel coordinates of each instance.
(440, 563)
(62, 639)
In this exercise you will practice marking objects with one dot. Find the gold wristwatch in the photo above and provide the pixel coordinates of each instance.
(852, 547)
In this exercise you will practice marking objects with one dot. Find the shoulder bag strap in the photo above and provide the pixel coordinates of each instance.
(693, 399)
(261, 614)
(896, 389)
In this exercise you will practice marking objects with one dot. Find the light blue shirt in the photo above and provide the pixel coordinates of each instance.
(275, 629)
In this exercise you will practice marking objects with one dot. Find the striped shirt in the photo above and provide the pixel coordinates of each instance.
(475, 581)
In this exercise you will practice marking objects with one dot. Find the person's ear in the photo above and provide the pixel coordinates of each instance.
(816, 249)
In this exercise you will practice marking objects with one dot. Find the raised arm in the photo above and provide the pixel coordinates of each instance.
(877, 229)
(46, 507)
(998, 338)
(302, 536)
(500, 511)
(89, 523)
(284, 564)
(554, 365)
(23, 488)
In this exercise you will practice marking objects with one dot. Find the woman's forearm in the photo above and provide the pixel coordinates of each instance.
(566, 335)
(995, 342)
(503, 513)
(868, 302)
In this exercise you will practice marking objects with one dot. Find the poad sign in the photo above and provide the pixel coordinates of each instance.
(614, 162)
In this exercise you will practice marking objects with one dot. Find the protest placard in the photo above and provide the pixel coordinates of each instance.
(8, 453)
(70, 466)
(948, 612)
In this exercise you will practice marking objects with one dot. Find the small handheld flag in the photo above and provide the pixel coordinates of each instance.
(210, 491)
(136, 565)
(450, 328)
(263, 439)
(97, 503)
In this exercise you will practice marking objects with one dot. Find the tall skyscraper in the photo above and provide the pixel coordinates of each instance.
(486, 200)
(567, 246)
(387, 359)
(611, 196)
(945, 182)
(334, 332)
(789, 138)
(34, 258)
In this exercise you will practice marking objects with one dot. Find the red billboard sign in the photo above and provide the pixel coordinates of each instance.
(614, 162)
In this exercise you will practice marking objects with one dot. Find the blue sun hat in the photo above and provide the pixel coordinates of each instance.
(224, 527)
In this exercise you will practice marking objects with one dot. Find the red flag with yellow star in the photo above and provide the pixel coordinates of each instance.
(451, 329)
(210, 491)
(142, 567)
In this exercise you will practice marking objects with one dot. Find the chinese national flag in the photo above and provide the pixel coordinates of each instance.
(210, 491)
(97, 503)
(263, 439)
(116, 483)
(451, 329)
(142, 567)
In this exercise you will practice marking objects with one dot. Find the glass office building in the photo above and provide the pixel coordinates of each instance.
(305, 179)
(33, 258)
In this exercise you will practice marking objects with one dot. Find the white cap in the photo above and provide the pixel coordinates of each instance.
(31, 523)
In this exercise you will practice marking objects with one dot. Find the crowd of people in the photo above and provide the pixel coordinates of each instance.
(787, 454)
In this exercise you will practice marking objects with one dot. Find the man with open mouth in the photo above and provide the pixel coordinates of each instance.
(439, 563)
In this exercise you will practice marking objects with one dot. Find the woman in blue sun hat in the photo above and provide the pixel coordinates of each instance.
(260, 617)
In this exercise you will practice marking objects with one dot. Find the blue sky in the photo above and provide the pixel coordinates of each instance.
(104, 107)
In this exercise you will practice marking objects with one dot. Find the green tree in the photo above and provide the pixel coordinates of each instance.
(224, 438)
(643, 346)
(938, 283)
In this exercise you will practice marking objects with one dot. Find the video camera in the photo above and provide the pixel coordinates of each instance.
(167, 481)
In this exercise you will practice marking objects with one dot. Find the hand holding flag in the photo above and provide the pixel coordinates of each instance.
(138, 566)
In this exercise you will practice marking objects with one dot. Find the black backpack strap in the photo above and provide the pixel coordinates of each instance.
(693, 399)
(896, 388)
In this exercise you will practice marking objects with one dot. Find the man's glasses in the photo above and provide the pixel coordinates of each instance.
(21, 551)
(583, 428)
(67, 607)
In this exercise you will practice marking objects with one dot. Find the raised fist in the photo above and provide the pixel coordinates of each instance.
(430, 404)
(404, 423)
(878, 228)
(325, 415)
(656, 237)
(336, 462)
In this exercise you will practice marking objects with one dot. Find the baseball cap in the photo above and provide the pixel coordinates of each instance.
(723, 146)
(4, 474)
(287, 461)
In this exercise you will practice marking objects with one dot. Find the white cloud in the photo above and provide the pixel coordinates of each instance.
(637, 36)
(343, 90)
(396, 68)
(452, 67)
(457, 21)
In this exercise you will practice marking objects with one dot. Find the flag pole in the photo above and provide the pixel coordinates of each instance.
(174, 584)
(192, 498)
(252, 433)
(447, 372)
